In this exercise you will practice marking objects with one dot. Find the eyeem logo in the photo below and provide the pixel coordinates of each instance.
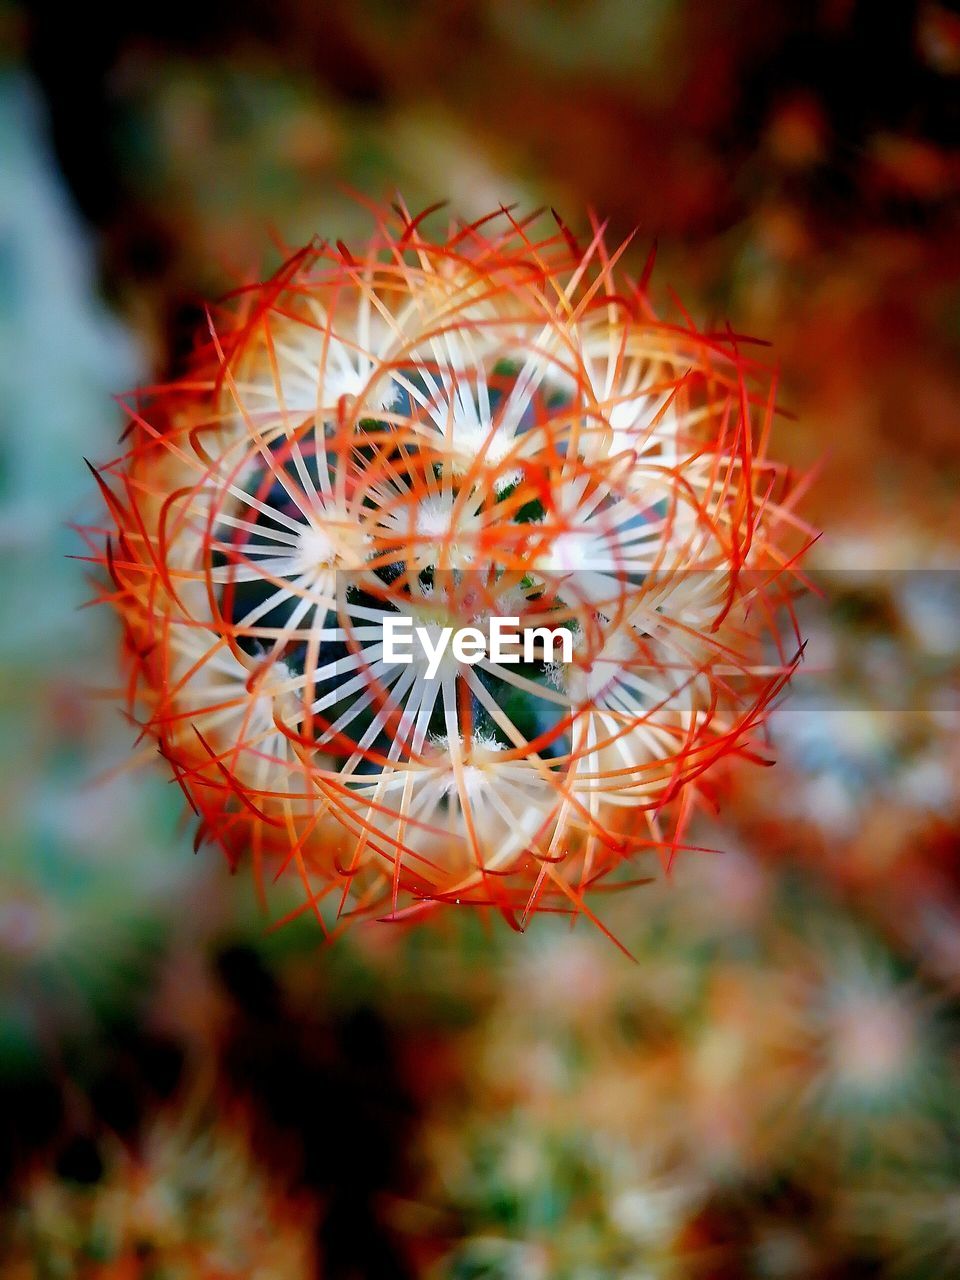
(506, 643)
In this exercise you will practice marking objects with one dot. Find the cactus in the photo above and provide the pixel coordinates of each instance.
(446, 433)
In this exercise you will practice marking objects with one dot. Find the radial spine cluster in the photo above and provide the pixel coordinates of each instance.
(496, 425)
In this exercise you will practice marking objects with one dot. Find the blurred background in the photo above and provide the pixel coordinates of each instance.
(773, 1088)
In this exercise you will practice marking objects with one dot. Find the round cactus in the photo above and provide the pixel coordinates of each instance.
(425, 443)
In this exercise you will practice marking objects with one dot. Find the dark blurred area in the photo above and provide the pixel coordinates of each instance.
(773, 1088)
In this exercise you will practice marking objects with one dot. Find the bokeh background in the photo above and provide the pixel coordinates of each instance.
(773, 1088)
